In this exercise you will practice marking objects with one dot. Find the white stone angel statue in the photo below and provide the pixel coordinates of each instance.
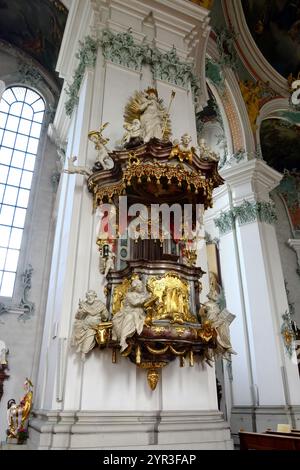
(152, 114)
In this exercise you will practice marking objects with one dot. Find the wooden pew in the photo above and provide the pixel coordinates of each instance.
(266, 441)
(293, 433)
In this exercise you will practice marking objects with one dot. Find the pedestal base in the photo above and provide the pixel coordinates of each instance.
(129, 430)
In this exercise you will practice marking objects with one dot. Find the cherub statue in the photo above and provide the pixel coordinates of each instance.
(72, 169)
(91, 312)
(131, 317)
(133, 134)
(152, 114)
(183, 150)
(219, 319)
(17, 415)
(103, 159)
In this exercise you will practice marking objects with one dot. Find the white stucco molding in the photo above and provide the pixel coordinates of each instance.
(251, 180)
(253, 59)
(271, 110)
(241, 109)
(237, 102)
(78, 26)
(178, 22)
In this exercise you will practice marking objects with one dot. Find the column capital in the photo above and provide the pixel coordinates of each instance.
(251, 180)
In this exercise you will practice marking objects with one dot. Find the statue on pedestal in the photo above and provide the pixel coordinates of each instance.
(17, 415)
(91, 312)
(131, 316)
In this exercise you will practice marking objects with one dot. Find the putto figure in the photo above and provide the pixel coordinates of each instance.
(152, 114)
(183, 149)
(131, 317)
(133, 134)
(103, 160)
(91, 312)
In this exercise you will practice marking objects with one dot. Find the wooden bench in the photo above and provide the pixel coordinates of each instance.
(293, 433)
(268, 441)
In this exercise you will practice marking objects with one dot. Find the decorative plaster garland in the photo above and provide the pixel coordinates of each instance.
(121, 49)
(246, 213)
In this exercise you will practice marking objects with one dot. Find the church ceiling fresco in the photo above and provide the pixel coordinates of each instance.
(280, 142)
(35, 26)
(275, 26)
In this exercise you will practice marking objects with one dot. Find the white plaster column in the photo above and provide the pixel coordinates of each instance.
(240, 390)
(254, 284)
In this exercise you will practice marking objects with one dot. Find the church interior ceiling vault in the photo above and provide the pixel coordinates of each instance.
(36, 27)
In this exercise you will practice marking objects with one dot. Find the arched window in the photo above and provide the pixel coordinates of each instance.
(21, 116)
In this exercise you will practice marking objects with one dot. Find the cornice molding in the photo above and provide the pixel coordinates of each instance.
(261, 177)
(189, 31)
(79, 24)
